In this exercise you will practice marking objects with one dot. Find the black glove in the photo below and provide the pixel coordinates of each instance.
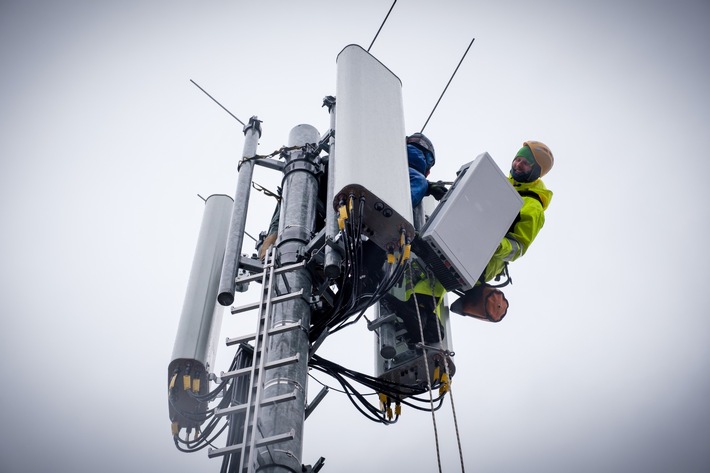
(436, 189)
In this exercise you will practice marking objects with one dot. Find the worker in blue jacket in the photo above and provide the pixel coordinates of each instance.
(421, 158)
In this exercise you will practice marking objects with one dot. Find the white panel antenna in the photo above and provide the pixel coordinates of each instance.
(371, 160)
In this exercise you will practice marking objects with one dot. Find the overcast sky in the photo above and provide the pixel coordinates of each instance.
(603, 362)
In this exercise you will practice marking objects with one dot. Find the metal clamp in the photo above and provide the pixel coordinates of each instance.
(440, 350)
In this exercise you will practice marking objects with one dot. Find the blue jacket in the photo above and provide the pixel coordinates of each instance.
(419, 165)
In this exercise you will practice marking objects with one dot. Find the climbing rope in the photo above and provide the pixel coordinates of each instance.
(426, 364)
(448, 376)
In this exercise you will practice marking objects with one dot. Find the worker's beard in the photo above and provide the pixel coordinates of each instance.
(529, 176)
(520, 176)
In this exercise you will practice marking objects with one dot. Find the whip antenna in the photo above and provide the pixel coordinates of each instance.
(447, 85)
(215, 101)
(383, 24)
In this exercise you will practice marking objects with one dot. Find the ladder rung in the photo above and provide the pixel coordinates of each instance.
(250, 278)
(274, 300)
(282, 269)
(250, 337)
(235, 373)
(218, 452)
(272, 364)
(242, 407)
(289, 360)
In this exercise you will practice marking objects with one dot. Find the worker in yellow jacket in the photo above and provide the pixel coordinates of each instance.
(530, 164)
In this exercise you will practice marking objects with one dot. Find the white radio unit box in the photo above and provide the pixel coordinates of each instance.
(461, 235)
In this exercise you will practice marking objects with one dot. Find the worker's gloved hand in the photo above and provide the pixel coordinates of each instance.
(436, 189)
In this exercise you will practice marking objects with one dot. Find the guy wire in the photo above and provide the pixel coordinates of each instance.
(383, 24)
(447, 85)
(215, 101)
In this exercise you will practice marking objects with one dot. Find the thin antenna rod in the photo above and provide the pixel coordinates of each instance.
(383, 24)
(215, 101)
(447, 85)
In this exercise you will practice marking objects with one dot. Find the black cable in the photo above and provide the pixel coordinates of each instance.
(392, 389)
(362, 405)
(378, 385)
(325, 385)
(206, 442)
(366, 301)
(440, 400)
(361, 302)
(348, 294)
(197, 417)
(447, 85)
(206, 438)
(203, 439)
(383, 24)
(210, 395)
(215, 101)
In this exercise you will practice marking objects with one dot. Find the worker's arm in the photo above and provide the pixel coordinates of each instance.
(524, 230)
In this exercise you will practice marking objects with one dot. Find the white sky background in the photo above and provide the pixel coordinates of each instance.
(603, 361)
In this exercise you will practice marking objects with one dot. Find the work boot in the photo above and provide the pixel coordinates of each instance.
(482, 302)
(465, 303)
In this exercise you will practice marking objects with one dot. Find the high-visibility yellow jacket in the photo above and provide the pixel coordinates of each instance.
(536, 199)
(425, 285)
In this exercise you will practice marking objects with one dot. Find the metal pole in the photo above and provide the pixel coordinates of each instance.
(332, 257)
(298, 214)
(230, 266)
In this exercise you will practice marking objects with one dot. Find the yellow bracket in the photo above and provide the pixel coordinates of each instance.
(384, 400)
(406, 254)
(196, 385)
(186, 382)
(342, 218)
(444, 388)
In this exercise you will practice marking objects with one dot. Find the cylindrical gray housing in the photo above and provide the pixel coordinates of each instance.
(200, 322)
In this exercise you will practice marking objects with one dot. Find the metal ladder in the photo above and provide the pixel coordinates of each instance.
(269, 297)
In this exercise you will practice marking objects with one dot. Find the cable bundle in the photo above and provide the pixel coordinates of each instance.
(387, 390)
(354, 294)
(232, 392)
